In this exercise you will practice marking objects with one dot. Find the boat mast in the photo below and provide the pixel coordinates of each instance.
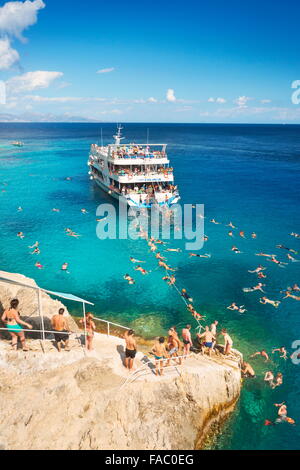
(118, 137)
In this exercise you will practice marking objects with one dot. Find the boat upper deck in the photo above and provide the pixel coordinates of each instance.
(137, 154)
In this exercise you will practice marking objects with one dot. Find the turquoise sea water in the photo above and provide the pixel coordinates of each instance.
(247, 174)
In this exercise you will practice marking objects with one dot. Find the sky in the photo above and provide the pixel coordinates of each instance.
(160, 61)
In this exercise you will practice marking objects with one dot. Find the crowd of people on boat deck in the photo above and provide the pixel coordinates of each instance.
(140, 171)
(147, 189)
(137, 151)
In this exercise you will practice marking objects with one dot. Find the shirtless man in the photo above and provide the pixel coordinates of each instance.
(291, 296)
(20, 235)
(187, 339)
(253, 235)
(133, 260)
(160, 257)
(142, 270)
(282, 351)
(259, 286)
(173, 344)
(285, 248)
(242, 234)
(64, 267)
(162, 264)
(234, 306)
(273, 259)
(206, 255)
(292, 259)
(264, 300)
(262, 353)
(160, 353)
(170, 279)
(258, 269)
(129, 279)
(209, 339)
(231, 225)
(213, 221)
(247, 370)
(60, 325)
(130, 351)
(228, 342)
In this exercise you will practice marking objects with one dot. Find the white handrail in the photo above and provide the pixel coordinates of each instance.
(111, 323)
(145, 366)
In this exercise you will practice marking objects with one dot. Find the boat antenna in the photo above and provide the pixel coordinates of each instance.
(101, 138)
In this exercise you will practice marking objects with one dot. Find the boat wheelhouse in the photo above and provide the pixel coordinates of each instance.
(138, 174)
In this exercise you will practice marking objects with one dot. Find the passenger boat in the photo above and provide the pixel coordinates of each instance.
(138, 174)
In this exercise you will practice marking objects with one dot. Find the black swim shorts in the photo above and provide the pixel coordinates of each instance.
(130, 353)
(61, 336)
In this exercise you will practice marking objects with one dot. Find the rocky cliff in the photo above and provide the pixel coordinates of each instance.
(71, 400)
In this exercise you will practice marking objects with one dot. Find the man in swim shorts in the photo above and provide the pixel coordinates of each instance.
(130, 350)
(209, 339)
(60, 325)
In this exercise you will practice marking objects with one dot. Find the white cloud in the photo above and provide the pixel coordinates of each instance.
(265, 101)
(8, 55)
(170, 96)
(32, 81)
(108, 70)
(241, 101)
(152, 100)
(15, 17)
(211, 100)
(220, 100)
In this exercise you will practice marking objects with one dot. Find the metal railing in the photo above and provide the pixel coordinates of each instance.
(108, 323)
(149, 370)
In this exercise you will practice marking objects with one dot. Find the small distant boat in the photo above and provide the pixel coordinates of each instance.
(17, 143)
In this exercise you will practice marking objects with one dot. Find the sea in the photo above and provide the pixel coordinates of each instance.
(247, 174)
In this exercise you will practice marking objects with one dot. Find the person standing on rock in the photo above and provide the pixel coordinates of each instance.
(228, 342)
(187, 340)
(60, 325)
(160, 354)
(130, 351)
(90, 328)
(14, 324)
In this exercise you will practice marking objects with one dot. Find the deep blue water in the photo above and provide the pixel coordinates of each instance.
(247, 174)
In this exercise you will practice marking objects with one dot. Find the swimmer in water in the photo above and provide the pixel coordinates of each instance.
(261, 276)
(291, 296)
(170, 279)
(296, 235)
(20, 235)
(278, 380)
(282, 414)
(276, 261)
(269, 378)
(205, 238)
(186, 296)
(20, 209)
(292, 259)
(35, 245)
(64, 267)
(264, 254)
(36, 251)
(55, 210)
(175, 250)
(133, 260)
(242, 234)
(253, 235)
(282, 351)
(39, 265)
(259, 287)
(129, 279)
(262, 353)
(84, 211)
(231, 225)
(257, 270)
(247, 370)
(159, 256)
(234, 306)
(288, 249)
(162, 264)
(235, 249)
(142, 270)
(230, 233)
(264, 300)
(213, 221)
(206, 255)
